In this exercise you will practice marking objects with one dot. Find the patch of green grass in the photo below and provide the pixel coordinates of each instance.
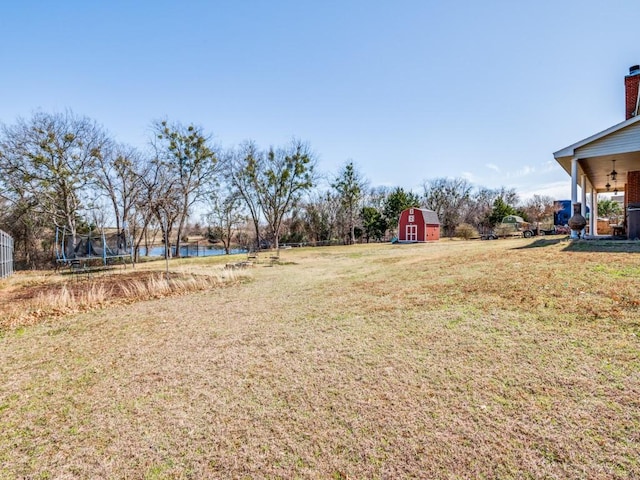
(159, 471)
(618, 272)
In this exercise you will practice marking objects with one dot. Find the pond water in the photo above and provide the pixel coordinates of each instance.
(190, 251)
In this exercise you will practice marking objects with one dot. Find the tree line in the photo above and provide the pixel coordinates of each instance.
(62, 170)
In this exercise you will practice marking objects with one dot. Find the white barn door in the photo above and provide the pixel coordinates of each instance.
(412, 233)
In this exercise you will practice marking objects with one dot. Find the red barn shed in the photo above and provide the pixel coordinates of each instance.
(418, 225)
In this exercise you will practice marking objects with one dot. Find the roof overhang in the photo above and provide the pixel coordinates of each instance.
(596, 153)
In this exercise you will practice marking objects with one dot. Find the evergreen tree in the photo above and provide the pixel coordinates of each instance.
(499, 211)
(397, 201)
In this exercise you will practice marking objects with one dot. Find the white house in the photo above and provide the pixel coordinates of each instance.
(609, 161)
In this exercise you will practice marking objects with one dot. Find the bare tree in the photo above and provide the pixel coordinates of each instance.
(448, 197)
(163, 200)
(480, 206)
(350, 186)
(187, 157)
(538, 208)
(19, 217)
(240, 173)
(376, 196)
(119, 175)
(50, 160)
(320, 212)
(274, 182)
(225, 216)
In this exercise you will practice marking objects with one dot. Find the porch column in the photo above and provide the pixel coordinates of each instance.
(583, 194)
(583, 200)
(574, 188)
(593, 218)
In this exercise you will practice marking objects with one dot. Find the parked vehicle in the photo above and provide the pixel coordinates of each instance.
(515, 226)
(562, 230)
(489, 236)
(555, 230)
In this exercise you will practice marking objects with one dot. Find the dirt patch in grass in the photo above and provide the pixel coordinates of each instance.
(447, 360)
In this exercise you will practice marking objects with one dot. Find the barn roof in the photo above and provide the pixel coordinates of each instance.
(430, 217)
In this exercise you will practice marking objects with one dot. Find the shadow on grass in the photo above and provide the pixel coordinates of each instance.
(544, 242)
(614, 246)
(604, 245)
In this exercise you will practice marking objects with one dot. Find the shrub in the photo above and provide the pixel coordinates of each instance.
(466, 231)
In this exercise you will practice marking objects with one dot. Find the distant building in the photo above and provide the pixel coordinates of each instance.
(418, 225)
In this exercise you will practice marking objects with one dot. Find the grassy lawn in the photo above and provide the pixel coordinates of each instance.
(506, 359)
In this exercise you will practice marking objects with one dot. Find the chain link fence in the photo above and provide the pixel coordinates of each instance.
(6, 254)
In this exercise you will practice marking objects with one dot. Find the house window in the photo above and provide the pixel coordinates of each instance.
(411, 218)
(411, 212)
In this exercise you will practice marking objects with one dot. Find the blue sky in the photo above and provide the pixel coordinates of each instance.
(408, 90)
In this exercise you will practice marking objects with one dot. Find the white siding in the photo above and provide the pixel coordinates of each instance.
(623, 141)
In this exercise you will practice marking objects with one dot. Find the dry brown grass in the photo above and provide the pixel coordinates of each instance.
(29, 299)
(448, 360)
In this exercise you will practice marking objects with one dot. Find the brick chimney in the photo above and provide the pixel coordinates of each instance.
(631, 85)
